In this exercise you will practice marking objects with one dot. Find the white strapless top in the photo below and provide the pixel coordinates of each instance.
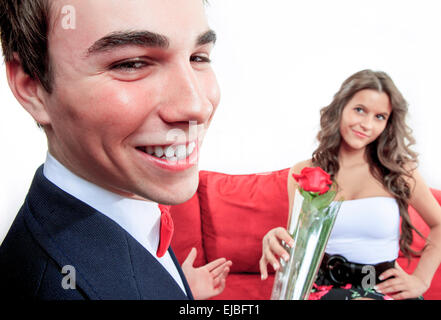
(366, 230)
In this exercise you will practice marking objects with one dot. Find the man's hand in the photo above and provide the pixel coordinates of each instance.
(206, 281)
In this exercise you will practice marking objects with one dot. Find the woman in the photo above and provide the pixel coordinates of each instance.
(364, 145)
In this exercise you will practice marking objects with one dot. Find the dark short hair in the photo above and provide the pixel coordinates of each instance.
(24, 26)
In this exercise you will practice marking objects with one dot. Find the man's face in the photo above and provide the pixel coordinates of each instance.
(128, 82)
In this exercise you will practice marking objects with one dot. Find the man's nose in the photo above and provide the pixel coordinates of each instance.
(185, 98)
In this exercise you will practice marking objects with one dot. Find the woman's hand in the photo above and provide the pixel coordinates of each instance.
(206, 281)
(272, 249)
(402, 285)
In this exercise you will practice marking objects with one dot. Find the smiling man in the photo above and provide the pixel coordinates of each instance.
(124, 96)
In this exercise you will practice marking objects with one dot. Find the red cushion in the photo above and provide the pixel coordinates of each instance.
(237, 211)
(188, 234)
(246, 286)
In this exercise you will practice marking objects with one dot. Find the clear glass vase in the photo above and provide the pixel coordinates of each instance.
(311, 230)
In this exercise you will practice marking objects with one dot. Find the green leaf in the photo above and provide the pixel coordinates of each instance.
(323, 200)
(314, 194)
(306, 194)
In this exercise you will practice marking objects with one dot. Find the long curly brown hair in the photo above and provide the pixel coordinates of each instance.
(389, 156)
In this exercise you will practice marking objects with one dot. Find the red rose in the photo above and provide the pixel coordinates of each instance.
(313, 180)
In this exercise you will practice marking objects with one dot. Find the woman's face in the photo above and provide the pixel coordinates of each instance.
(364, 118)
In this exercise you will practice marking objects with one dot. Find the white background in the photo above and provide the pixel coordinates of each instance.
(278, 62)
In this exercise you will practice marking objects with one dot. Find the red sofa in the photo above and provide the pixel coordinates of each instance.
(230, 214)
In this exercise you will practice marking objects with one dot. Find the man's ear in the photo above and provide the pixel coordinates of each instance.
(28, 91)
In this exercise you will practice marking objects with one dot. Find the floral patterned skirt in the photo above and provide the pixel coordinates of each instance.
(324, 289)
(347, 292)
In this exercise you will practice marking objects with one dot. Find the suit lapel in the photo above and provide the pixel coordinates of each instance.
(108, 262)
(181, 273)
(151, 277)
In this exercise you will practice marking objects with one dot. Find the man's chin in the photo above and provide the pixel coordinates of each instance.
(175, 194)
(177, 198)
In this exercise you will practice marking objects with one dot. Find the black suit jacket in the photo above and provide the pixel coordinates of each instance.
(53, 230)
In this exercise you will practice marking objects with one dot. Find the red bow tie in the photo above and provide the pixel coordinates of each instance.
(166, 232)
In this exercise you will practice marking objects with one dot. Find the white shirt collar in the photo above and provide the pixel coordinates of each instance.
(141, 219)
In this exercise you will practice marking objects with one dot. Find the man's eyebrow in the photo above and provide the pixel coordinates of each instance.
(141, 38)
(125, 38)
(206, 37)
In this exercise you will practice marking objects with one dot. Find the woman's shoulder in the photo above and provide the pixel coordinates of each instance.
(298, 167)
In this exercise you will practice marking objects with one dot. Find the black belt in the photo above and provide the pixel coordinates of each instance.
(339, 271)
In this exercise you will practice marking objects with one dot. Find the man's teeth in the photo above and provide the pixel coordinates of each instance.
(172, 153)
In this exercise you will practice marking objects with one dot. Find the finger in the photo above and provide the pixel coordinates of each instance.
(215, 263)
(216, 282)
(277, 233)
(394, 289)
(388, 283)
(392, 272)
(278, 249)
(220, 287)
(228, 263)
(272, 259)
(221, 276)
(220, 280)
(263, 268)
(282, 234)
(224, 276)
(191, 257)
(220, 269)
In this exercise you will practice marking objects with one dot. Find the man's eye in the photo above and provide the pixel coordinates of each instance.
(129, 65)
(200, 59)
